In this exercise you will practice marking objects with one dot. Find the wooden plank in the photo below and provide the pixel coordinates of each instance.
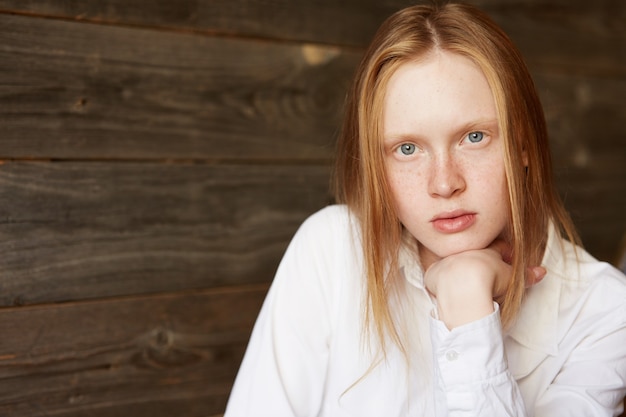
(74, 90)
(133, 144)
(322, 21)
(73, 231)
(584, 114)
(584, 38)
(111, 92)
(597, 208)
(576, 35)
(166, 355)
(585, 118)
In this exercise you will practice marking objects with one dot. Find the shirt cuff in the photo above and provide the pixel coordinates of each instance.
(471, 353)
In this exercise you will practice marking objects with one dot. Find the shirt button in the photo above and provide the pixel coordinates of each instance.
(452, 355)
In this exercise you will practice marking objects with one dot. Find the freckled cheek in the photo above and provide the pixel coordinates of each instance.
(487, 180)
(486, 174)
(406, 185)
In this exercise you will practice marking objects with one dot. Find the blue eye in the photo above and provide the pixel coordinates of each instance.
(407, 148)
(475, 137)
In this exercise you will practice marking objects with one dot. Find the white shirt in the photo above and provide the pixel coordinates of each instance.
(564, 356)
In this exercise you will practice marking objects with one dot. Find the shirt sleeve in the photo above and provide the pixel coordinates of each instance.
(284, 369)
(471, 373)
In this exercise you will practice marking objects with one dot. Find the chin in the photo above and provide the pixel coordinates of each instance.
(441, 246)
(449, 250)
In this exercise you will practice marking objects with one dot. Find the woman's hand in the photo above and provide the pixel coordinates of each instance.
(465, 284)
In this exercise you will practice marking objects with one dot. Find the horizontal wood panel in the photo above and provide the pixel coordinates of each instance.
(583, 114)
(585, 119)
(313, 21)
(597, 209)
(36, 125)
(564, 35)
(167, 355)
(87, 230)
(74, 90)
(74, 231)
(596, 205)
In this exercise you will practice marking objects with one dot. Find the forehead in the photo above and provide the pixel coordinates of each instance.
(443, 91)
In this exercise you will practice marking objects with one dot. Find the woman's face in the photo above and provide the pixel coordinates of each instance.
(444, 155)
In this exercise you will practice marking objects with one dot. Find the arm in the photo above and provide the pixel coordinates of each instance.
(472, 376)
(283, 371)
(471, 373)
(586, 376)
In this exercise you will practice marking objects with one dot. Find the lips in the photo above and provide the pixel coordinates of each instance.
(453, 222)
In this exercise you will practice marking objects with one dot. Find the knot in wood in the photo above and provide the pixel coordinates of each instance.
(162, 338)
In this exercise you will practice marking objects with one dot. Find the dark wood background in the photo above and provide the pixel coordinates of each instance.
(157, 156)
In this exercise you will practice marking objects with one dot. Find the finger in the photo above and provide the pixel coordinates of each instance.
(535, 275)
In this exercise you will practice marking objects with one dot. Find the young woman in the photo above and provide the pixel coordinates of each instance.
(441, 285)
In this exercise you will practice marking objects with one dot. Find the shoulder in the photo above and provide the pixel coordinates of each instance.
(331, 226)
(326, 239)
(589, 293)
(579, 272)
(322, 258)
(330, 216)
(579, 297)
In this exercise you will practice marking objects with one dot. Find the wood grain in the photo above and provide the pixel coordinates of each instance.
(158, 157)
(565, 35)
(167, 355)
(585, 117)
(72, 230)
(322, 21)
(76, 90)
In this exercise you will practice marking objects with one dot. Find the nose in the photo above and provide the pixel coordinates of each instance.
(446, 177)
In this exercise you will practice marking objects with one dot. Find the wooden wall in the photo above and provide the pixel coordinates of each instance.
(157, 156)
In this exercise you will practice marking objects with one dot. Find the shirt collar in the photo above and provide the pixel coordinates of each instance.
(536, 326)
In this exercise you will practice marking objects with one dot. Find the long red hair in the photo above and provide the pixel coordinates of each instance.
(360, 174)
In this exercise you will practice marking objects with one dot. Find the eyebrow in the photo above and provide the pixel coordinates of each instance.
(482, 124)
